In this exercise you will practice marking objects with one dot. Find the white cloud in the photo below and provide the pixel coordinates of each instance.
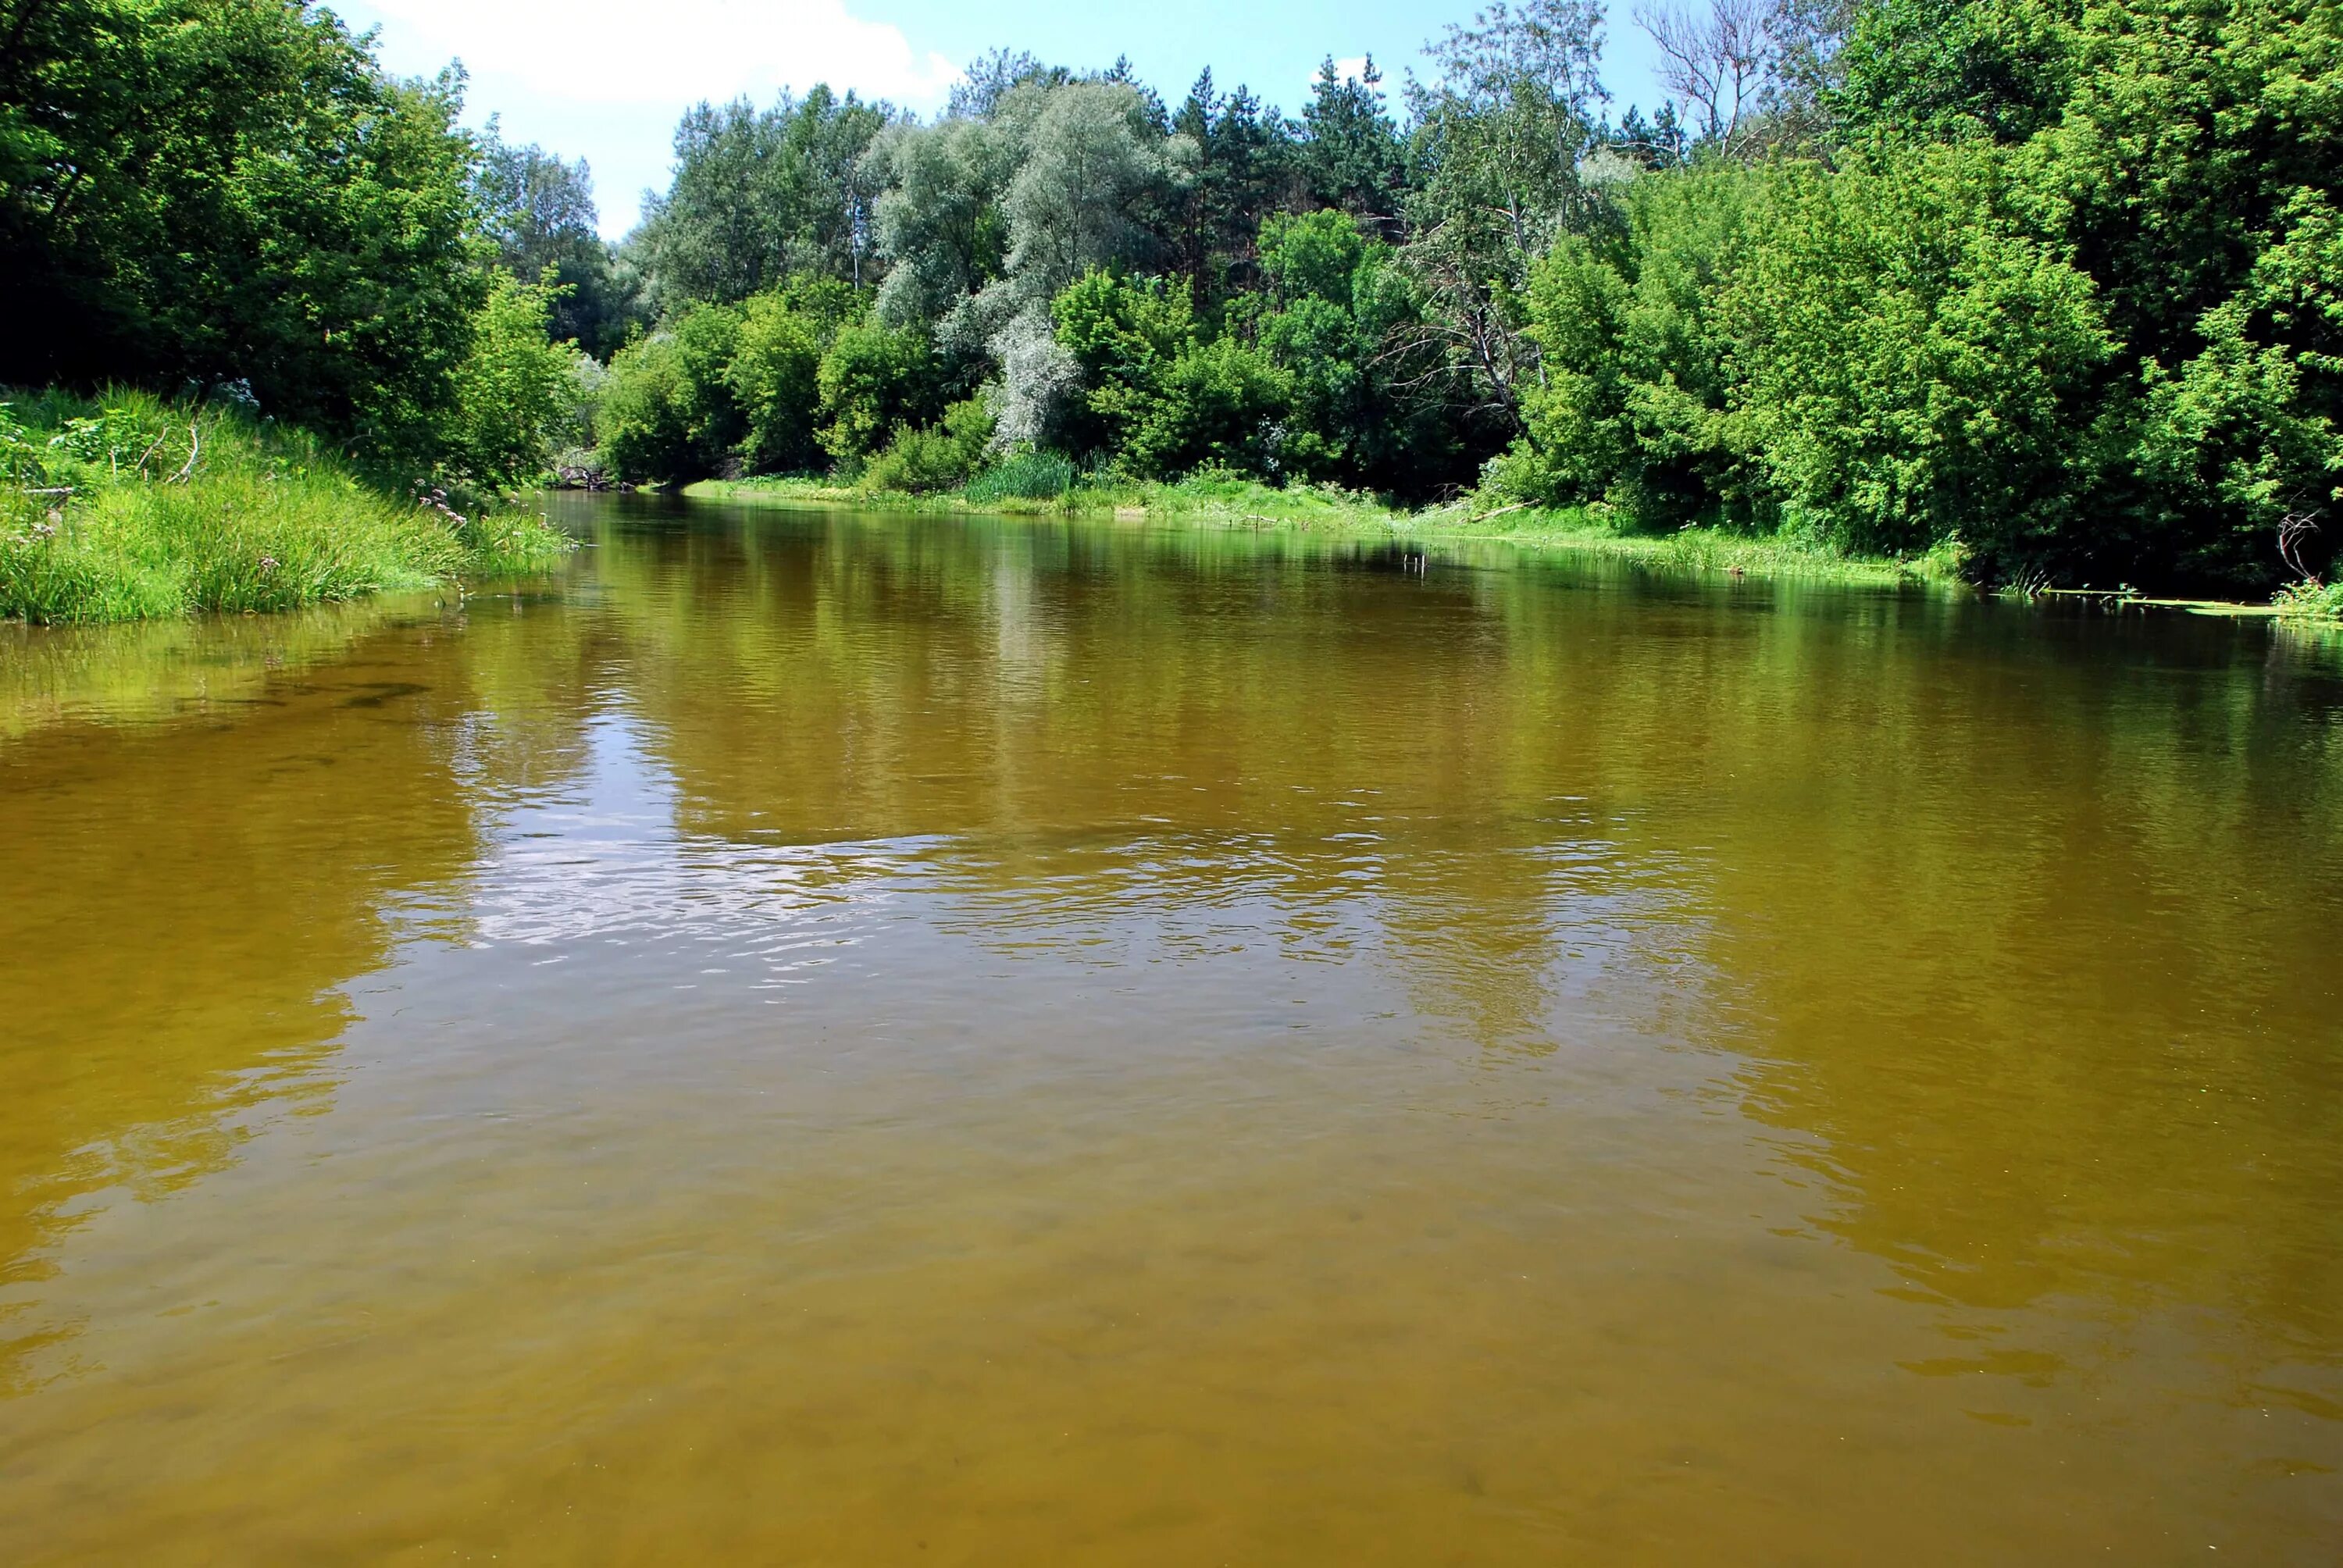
(675, 52)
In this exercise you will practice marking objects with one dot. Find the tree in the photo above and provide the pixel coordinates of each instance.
(309, 235)
(669, 414)
(512, 390)
(1092, 153)
(1246, 169)
(539, 211)
(1351, 154)
(874, 380)
(758, 197)
(1122, 334)
(775, 377)
(1945, 69)
(941, 228)
(1343, 310)
(1718, 62)
(1921, 363)
(1497, 148)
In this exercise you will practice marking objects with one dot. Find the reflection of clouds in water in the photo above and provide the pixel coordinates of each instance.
(1553, 933)
(1513, 944)
(602, 862)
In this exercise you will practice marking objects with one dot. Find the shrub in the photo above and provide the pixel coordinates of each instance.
(941, 457)
(514, 391)
(775, 377)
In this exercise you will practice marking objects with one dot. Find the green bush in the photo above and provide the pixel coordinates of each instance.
(1636, 394)
(514, 391)
(1919, 366)
(776, 378)
(940, 458)
(1217, 406)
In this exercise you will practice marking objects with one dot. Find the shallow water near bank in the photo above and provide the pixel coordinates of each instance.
(825, 1038)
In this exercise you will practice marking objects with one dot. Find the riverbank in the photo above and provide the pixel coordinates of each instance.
(1224, 502)
(129, 507)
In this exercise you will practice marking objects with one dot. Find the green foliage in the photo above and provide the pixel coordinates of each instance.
(1955, 69)
(2071, 295)
(1919, 367)
(1352, 155)
(1634, 408)
(2312, 599)
(939, 457)
(1122, 334)
(539, 209)
(940, 227)
(514, 390)
(1214, 405)
(1344, 332)
(760, 197)
(873, 380)
(160, 509)
(1312, 256)
(231, 191)
(775, 377)
(669, 413)
(1246, 165)
(1883, 355)
(2251, 421)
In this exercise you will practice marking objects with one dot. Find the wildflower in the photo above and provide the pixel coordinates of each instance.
(269, 563)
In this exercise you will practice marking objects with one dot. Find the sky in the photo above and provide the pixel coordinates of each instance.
(607, 79)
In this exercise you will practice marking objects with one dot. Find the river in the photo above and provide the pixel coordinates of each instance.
(822, 1038)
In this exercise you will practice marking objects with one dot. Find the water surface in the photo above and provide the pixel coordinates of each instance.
(830, 1038)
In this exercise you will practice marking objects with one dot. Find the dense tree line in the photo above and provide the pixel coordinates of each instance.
(2059, 280)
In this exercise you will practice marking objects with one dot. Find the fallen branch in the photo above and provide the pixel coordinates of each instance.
(194, 449)
(1501, 511)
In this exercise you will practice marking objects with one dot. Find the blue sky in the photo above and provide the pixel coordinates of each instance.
(607, 80)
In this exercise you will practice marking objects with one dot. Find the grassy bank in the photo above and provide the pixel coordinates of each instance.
(1227, 502)
(127, 507)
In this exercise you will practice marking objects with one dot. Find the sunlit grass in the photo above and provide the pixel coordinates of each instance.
(126, 508)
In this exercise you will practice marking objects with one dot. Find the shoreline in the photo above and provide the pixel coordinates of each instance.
(1242, 505)
(1700, 550)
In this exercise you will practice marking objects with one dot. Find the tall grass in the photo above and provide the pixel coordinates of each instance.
(2312, 601)
(127, 507)
(1027, 477)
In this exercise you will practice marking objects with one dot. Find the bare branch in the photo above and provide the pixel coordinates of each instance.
(1716, 64)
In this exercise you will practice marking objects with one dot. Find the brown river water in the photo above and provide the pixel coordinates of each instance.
(829, 1039)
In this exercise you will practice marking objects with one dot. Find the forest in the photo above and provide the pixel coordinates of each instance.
(2056, 286)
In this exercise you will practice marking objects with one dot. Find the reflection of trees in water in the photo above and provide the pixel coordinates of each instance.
(2019, 918)
(188, 900)
(2013, 916)
(1211, 732)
